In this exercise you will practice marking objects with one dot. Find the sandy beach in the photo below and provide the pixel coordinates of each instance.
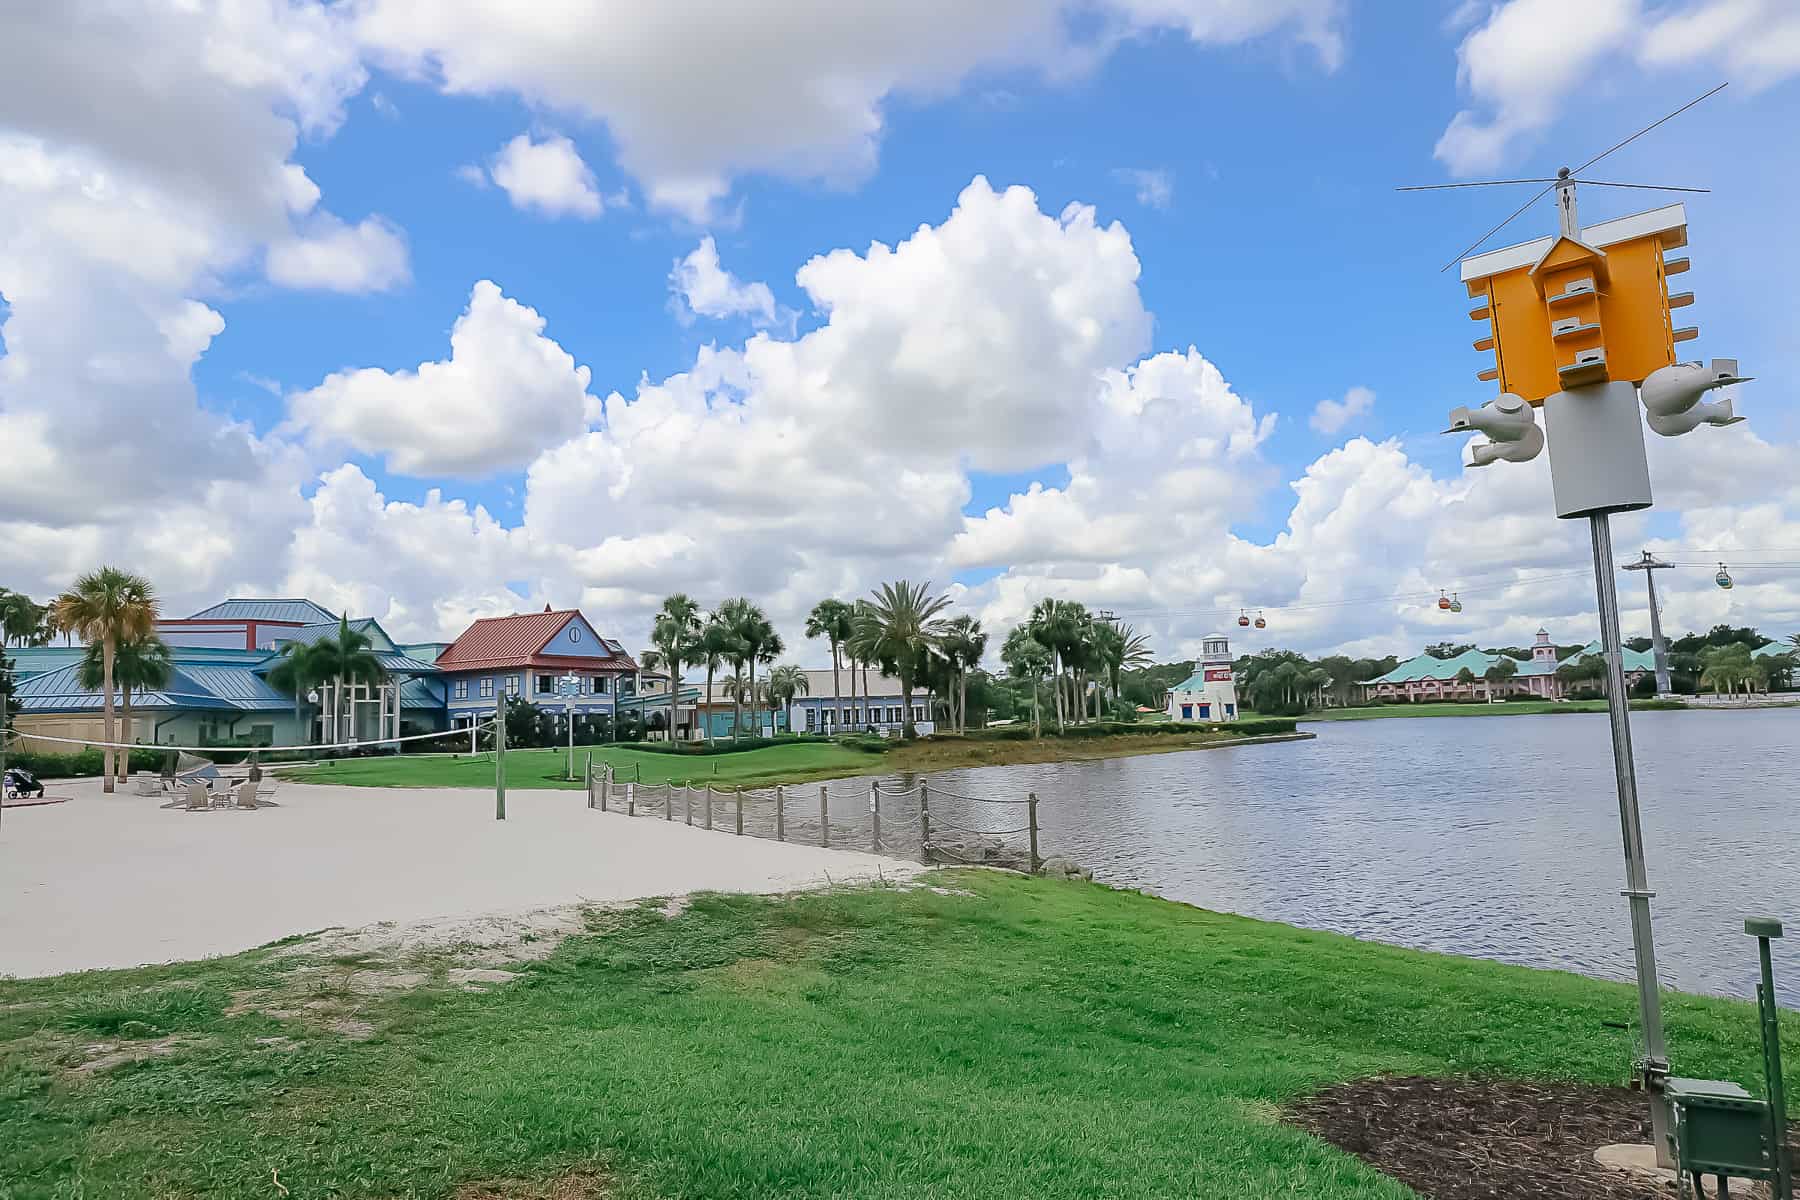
(118, 881)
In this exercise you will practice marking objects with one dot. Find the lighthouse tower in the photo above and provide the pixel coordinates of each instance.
(1210, 693)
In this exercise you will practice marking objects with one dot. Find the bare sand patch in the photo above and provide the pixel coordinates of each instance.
(117, 881)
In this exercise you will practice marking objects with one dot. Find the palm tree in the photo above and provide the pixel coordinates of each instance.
(346, 657)
(714, 648)
(676, 632)
(859, 665)
(963, 643)
(1504, 668)
(299, 671)
(1122, 649)
(896, 629)
(752, 640)
(1027, 658)
(831, 619)
(784, 683)
(142, 665)
(107, 606)
(21, 620)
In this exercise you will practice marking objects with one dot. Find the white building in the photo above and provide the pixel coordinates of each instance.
(1210, 693)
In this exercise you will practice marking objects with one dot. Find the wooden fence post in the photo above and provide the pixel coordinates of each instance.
(688, 788)
(875, 816)
(605, 784)
(780, 814)
(824, 819)
(924, 822)
(668, 802)
(1031, 810)
(587, 771)
(709, 806)
(740, 812)
(631, 799)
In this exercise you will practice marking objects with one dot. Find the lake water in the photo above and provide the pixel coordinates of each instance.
(1489, 836)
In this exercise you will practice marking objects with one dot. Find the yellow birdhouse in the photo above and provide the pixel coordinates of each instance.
(1567, 311)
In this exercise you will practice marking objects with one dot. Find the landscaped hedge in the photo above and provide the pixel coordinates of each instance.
(734, 746)
(1253, 727)
(82, 762)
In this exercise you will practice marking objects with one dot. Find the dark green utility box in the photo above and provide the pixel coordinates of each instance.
(1719, 1129)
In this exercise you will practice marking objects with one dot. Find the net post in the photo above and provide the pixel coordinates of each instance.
(875, 816)
(740, 812)
(631, 799)
(500, 757)
(668, 802)
(780, 813)
(688, 796)
(924, 822)
(824, 819)
(709, 791)
(587, 770)
(1031, 811)
(605, 784)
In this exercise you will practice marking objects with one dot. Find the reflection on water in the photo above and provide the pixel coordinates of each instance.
(1489, 836)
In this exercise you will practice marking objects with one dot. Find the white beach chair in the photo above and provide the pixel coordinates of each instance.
(246, 794)
(198, 798)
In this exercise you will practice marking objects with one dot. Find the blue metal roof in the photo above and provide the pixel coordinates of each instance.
(387, 653)
(302, 611)
(60, 691)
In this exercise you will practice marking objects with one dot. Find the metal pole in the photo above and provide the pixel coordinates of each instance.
(740, 812)
(824, 819)
(875, 819)
(1649, 564)
(709, 806)
(1637, 882)
(1762, 929)
(1031, 820)
(569, 715)
(780, 814)
(500, 757)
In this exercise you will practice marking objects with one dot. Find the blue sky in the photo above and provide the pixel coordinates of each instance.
(1279, 250)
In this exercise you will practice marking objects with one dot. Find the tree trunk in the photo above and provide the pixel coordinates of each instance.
(962, 703)
(753, 694)
(906, 721)
(108, 726)
(1056, 664)
(837, 693)
(674, 701)
(1037, 728)
(708, 705)
(737, 702)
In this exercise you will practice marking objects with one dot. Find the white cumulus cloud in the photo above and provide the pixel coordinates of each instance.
(1329, 416)
(332, 256)
(702, 288)
(547, 176)
(505, 392)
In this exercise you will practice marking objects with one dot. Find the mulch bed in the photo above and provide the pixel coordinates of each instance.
(1483, 1139)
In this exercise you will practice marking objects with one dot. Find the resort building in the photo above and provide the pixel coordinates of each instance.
(524, 657)
(877, 705)
(218, 693)
(1429, 678)
(1210, 693)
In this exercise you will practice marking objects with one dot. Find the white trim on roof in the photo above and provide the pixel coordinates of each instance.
(1606, 233)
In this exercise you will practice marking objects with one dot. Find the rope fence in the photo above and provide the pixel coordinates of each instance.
(914, 820)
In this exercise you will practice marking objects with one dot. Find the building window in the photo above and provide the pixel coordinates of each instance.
(1206, 712)
(487, 687)
(812, 718)
(546, 684)
(1187, 712)
(512, 685)
(918, 713)
(462, 689)
(600, 688)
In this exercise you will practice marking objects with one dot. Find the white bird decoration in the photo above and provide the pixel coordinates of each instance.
(1510, 424)
(1671, 396)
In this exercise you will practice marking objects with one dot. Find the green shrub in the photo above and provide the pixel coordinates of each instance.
(1262, 726)
(82, 762)
(730, 746)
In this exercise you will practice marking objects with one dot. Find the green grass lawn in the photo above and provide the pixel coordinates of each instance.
(545, 768)
(1011, 1039)
(1510, 708)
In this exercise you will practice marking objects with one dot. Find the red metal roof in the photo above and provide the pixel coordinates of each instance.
(501, 642)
